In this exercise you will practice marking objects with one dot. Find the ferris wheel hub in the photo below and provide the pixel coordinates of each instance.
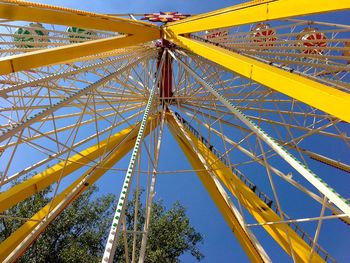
(164, 17)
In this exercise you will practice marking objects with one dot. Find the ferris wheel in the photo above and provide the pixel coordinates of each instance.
(256, 97)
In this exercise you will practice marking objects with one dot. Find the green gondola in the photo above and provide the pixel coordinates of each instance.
(80, 33)
(24, 36)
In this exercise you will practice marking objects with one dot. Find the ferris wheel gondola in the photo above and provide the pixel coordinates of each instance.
(263, 35)
(312, 41)
(34, 32)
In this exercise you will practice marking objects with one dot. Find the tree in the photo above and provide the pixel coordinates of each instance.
(170, 233)
(79, 233)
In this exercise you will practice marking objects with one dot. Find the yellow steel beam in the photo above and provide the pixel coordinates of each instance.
(315, 94)
(8, 245)
(42, 180)
(254, 11)
(116, 52)
(254, 205)
(66, 53)
(223, 205)
(35, 12)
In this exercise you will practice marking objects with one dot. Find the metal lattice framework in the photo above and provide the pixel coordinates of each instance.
(249, 92)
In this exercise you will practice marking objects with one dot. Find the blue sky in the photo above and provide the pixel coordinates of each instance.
(108, 6)
(219, 244)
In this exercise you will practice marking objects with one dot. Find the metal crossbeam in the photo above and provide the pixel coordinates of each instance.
(320, 96)
(36, 12)
(230, 213)
(35, 82)
(110, 247)
(18, 242)
(261, 211)
(29, 121)
(151, 192)
(276, 171)
(42, 180)
(316, 181)
(254, 11)
(62, 54)
(59, 154)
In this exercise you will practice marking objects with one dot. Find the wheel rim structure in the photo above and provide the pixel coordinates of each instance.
(255, 99)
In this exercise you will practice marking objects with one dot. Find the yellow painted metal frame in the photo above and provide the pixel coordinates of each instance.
(8, 245)
(67, 53)
(116, 52)
(137, 32)
(35, 12)
(214, 192)
(310, 92)
(315, 94)
(254, 205)
(254, 11)
(42, 180)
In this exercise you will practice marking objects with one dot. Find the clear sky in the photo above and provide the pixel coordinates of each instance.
(219, 244)
(142, 6)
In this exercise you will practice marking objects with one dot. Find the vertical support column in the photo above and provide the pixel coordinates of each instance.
(166, 84)
(151, 192)
(110, 247)
(229, 211)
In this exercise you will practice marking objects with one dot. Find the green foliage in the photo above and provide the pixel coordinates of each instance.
(170, 233)
(79, 233)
